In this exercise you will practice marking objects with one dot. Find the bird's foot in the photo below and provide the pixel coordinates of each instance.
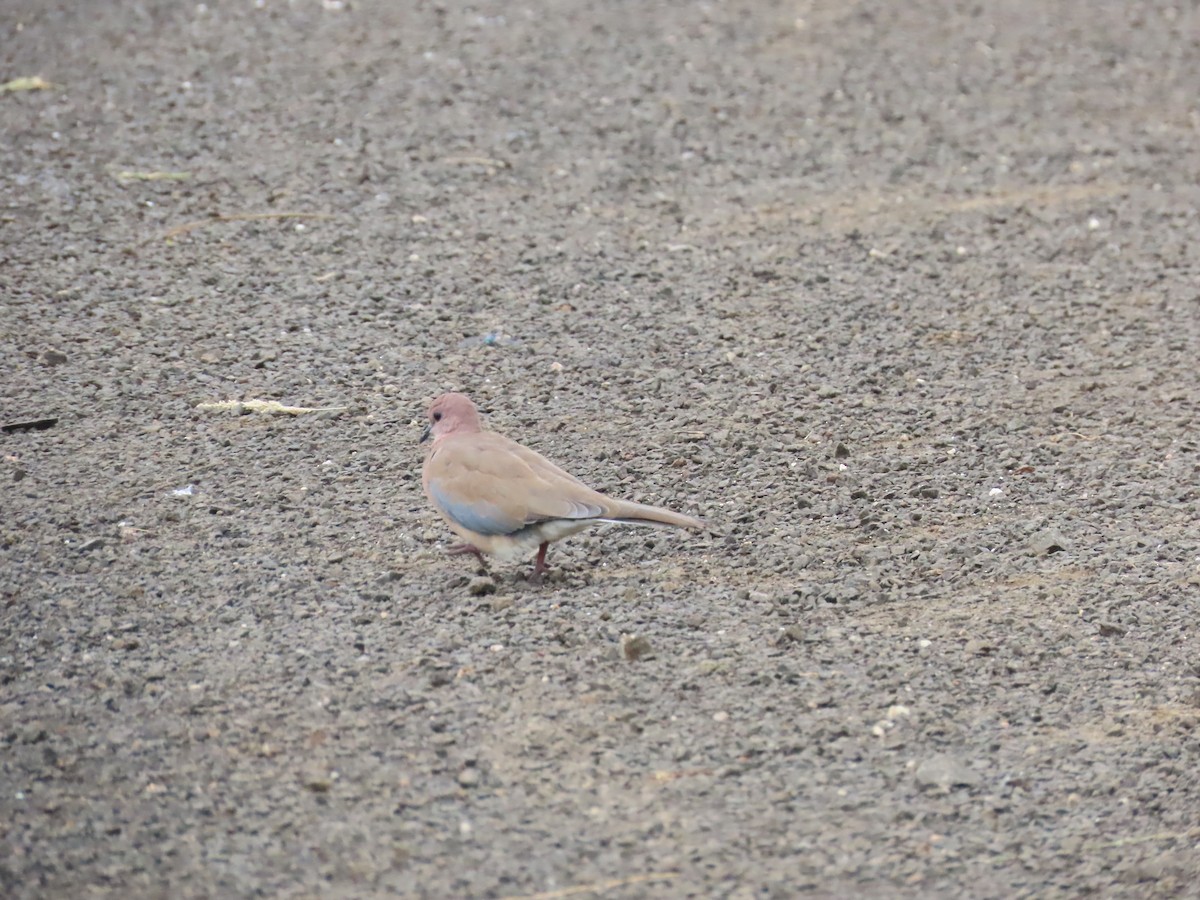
(463, 549)
(537, 576)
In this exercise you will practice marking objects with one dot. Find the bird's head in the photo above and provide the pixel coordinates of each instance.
(448, 414)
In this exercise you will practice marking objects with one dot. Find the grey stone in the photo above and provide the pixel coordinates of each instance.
(946, 772)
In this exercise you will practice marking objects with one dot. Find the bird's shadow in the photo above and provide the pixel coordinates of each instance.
(524, 578)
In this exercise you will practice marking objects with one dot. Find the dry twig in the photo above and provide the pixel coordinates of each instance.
(266, 407)
(131, 175)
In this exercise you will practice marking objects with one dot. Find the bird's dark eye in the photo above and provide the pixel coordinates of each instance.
(437, 417)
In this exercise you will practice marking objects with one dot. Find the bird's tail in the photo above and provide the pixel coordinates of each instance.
(639, 514)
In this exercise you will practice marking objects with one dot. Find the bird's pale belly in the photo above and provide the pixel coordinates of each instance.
(520, 544)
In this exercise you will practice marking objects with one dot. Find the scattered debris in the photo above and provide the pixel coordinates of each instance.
(178, 230)
(484, 161)
(598, 887)
(490, 339)
(131, 175)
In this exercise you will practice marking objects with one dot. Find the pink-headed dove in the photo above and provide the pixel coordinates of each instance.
(505, 500)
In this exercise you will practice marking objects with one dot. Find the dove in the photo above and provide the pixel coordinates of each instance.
(505, 500)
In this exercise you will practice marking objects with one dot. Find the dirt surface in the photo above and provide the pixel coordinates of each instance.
(902, 298)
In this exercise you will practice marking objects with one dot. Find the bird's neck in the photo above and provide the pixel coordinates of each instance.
(457, 431)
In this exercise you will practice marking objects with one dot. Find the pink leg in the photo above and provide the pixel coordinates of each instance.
(460, 549)
(539, 564)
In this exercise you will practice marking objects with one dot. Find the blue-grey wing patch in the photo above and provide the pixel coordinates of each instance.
(480, 517)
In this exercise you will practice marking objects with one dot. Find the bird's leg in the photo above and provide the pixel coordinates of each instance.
(460, 549)
(539, 564)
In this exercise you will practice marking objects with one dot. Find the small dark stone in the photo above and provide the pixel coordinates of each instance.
(975, 647)
(32, 425)
(1046, 542)
(319, 784)
(480, 585)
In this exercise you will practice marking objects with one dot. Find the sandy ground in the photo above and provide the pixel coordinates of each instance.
(903, 298)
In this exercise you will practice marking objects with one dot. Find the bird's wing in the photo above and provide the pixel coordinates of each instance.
(491, 485)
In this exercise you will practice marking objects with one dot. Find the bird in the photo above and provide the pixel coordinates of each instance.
(506, 500)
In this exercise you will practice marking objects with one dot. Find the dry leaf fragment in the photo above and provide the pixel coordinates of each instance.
(26, 83)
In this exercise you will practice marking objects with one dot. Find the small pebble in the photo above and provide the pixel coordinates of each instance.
(480, 585)
(635, 647)
(945, 772)
(318, 783)
(792, 634)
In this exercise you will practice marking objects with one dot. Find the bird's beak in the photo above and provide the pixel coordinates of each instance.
(425, 433)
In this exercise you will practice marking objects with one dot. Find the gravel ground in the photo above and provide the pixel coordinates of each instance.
(902, 298)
